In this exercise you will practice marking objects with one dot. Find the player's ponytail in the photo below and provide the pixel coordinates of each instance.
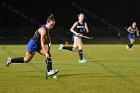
(50, 18)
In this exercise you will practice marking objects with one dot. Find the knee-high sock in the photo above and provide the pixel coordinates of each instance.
(80, 54)
(68, 48)
(17, 60)
(130, 45)
(49, 64)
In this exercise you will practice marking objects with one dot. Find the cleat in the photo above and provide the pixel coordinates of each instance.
(52, 72)
(127, 47)
(130, 49)
(8, 61)
(60, 47)
(82, 61)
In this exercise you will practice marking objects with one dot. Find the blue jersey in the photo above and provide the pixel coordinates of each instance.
(34, 44)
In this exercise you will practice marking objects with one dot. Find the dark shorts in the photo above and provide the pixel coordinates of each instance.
(131, 36)
(33, 46)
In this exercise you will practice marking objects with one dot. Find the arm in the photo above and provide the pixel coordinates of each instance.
(138, 32)
(86, 27)
(73, 27)
(43, 36)
(129, 30)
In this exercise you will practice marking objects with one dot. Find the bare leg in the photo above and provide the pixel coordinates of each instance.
(28, 57)
(75, 46)
(132, 41)
(41, 52)
(79, 43)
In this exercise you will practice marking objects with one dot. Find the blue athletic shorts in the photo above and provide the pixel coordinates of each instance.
(131, 36)
(75, 36)
(33, 46)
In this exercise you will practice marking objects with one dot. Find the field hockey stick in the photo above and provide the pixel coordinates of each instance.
(46, 65)
(86, 37)
(49, 50)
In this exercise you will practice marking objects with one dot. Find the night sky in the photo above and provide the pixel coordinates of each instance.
(117, 12)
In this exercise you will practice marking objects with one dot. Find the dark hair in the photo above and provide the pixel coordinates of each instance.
(50, 18)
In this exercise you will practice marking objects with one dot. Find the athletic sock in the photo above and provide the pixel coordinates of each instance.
(80, 54)
(68, 48)
(49, 64)
(17, 60)
(130, 45)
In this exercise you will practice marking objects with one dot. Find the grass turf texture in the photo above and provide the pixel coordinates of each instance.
(111, 69)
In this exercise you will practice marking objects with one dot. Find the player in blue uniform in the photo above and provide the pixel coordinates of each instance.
(78, 28)
(37, 44)
(133, 31)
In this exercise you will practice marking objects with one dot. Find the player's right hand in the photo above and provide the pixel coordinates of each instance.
(131, 32)
(79, 35)
(47, 55)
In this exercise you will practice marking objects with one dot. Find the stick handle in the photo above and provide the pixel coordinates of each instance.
(87, 37)
(49, 50)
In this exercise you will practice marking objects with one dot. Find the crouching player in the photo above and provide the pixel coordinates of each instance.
(37, 44)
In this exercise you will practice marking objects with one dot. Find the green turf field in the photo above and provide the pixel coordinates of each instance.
(111, 69)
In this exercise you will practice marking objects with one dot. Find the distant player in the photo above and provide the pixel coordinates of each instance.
(78, 28)
(37, 44)
(133, 31)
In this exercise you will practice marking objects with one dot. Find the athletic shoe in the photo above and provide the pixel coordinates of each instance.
(8, 61)
(61, 47)
(82, 61)
(52, 72)
(130, 49)
(127, 47)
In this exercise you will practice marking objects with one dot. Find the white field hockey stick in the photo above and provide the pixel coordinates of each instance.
(86, 37)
